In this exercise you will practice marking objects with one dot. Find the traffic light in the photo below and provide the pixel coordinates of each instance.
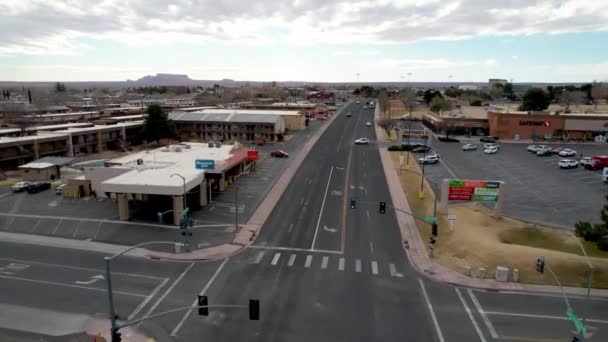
(307, 121)
(575, 339)
(353, 204)
(382, 207)
(540, 265)
(116, 336)
(434, 229)
(203, 309)
(254, 309)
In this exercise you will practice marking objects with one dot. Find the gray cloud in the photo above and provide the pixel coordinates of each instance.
(38, 26)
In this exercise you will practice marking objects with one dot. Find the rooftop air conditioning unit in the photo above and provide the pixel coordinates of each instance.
(210, 145)
(140, 162)
(178, 149)
(218, 145)
(187, 146)
(166, 150)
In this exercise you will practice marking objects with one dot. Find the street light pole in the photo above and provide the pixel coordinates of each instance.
(590, 276)
(185, 213)
(236, 208)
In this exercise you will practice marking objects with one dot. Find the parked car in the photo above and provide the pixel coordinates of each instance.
(357, 102)
(368, 124)
(430, 159)
(490, 145)
(362, 141)
(261, 142)
(535, 148)
(597, 163)
(364, 107)
(488, 139)
(279, 154)
(59, 189)
(37, 187)
(545, 152)
(421, 149)
(568, 164)
(605, 175)
(348, 115)
(586, 161)
(490, 150)
(557, 150)
(20, 186)
(567, 153)
(469, 147)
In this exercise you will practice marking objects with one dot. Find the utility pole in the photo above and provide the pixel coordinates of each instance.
(236, 207)
(185, 222)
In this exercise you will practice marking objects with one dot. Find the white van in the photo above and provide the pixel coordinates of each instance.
(605, 175)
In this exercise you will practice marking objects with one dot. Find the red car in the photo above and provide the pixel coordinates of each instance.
(261, 142)
(279, 154)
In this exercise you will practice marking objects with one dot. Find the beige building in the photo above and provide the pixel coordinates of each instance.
(45, 169)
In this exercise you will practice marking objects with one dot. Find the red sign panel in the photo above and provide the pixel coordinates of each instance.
(461, 194)
(253, 155)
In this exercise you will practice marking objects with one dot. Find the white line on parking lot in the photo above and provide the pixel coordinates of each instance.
(471, 317)
(483, 315)
(72, 286)
(430, 306)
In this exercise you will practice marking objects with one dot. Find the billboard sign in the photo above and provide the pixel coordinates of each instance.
(204, 164)
(253, 154)
(471, 190)
(414, 137)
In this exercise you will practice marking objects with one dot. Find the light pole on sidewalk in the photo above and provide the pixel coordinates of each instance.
(184, 222)
(590, 275)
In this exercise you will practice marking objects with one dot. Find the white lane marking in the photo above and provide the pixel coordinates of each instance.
(148, 299)
(358, 265)
(72, 286)
(471, 317)
(367, 212)
(310, 181)
(164, 295)
(314, 239)
(290, 227)
(4, 195)
(430, 306)
(294, 249)
(275, 259)
(258, 258)
(483, 315)
(562, 318)
(341, 265)
(77, 228)
(301, 201)
(292, 259)
(374, 268)
(393, 271)
(324, 262)
(371, 247)
(207, 286)
(308, 261)
(57, 226)
(35, 226)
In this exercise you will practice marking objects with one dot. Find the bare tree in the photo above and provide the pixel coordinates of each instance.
(382, 100)
(599, 91)
(409, 98)
(386, 124)
(574, 97)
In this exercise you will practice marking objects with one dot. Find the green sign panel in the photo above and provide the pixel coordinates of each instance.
(577, 322)
(185, 211)
(457, 183)
(430, 219)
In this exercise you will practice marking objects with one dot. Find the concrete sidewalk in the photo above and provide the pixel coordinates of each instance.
(416, 251)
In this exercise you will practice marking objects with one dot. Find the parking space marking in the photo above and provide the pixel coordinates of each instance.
(77, 228)
(483, 315)
(324, 262)
(341, 264)
(57, 227)
(275, 259)
(471, 317)
(35, 226)
(308, 261)
(292, 259)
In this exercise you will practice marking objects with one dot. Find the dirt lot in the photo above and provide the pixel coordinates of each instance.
(480, 239)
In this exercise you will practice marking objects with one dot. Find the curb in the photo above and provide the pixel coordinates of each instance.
(417, 255)
(249, 231)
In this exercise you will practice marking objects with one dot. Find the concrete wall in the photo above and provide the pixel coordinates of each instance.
(97, 175)
(293, 122)
(40, 174)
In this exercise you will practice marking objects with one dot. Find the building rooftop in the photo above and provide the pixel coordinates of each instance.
(66, 114)
(46, 162)
(229, 115)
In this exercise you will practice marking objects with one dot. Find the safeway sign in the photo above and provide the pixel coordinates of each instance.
(471, 190)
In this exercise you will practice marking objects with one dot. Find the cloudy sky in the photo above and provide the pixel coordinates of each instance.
(312, 40)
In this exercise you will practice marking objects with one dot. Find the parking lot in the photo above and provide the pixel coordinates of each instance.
(537, 189)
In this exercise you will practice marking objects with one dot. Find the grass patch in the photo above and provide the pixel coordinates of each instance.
(481, 239)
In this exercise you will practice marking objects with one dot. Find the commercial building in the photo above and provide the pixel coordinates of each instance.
(456, 124)
(230, 125)
(322, 97)
(47, 168)
(306, 108)
(65, 117)
(155, 181)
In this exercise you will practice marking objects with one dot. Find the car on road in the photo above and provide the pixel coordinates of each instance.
(488, 139)
(586, 161)
(490, 150)
(362, 141)
(37, 187)
(567, 164)
(348, 115)
(430, 159)
(357, 102)
(567, 153)
(368, 124)
(605, 175)
(545, 152)
(469, 147)
(59, 189)
(490, 145)
(20, 186)
(535, 148)
(364, 107)
(261, 142)
(279, 154)
(421, 149)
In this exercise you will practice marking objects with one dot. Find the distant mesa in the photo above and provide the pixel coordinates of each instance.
(164, 79)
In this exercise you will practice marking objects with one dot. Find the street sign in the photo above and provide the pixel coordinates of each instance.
(471, 190)
(577, 322)
(204, 164)
(430, 219)
(253, 155)
(185, 211)
(401, 159)
(452, 217)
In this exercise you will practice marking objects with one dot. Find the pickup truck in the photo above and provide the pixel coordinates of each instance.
(598, 163)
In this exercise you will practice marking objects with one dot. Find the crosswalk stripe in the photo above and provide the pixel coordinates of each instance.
(308, 261)
(393, 271)
(358, 265)
(258, 258)
(341, 265)
(374, 268)
(275, 259)
(292, 258)
(324, 263)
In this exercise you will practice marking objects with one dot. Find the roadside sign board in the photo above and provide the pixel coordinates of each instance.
(473, 190)
(253, 155)
(204, 164)
(401, 159)
(577, 322)
(414, 137)
(451, 217)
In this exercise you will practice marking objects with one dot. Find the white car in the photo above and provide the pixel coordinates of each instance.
(568, 164)
(59, 189)
(605, 175)
(490, 150)
(364, 107)
(535, 148)
(469, 147)
(490, 145)
(20, 186)
(362, 141)
(567, 153)
(586, 161)
(357, 102)
(430, 159)
(368, 124)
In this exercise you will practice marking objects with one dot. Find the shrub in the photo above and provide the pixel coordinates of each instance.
(475, 103)
(603, 243)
